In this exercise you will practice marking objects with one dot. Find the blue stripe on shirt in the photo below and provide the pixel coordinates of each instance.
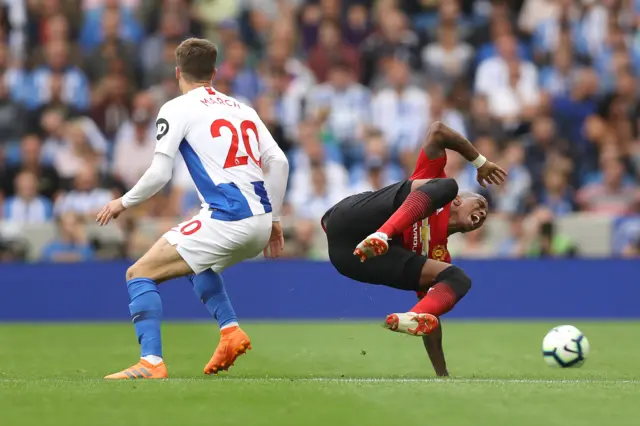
(225, 200)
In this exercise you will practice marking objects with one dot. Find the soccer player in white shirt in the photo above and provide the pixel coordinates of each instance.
(241, 176)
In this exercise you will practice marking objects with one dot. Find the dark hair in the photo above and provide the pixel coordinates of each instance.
(196, 59)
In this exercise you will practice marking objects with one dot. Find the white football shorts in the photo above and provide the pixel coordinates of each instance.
(204, 242)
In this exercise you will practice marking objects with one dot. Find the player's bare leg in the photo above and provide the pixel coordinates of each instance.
(161, 263)
(425, 198)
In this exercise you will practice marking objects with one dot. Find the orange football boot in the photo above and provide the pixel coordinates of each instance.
(375, 244)
(233, 343)
(142, 370)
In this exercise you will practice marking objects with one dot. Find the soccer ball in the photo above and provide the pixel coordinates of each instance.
(565, 346)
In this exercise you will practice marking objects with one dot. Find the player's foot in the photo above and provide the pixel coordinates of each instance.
(411, 323)
(142, 370)
(375, 244)
(233, 343)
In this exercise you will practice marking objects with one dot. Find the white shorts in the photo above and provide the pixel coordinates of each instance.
(206, 243)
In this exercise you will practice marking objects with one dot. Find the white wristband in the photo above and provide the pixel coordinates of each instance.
(275, 219)
(479, 162)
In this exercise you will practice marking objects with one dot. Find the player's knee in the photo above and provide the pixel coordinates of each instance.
(136, 271)
(457, 279)
(441, 191)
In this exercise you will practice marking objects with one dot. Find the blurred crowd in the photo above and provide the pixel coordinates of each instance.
(546, 88)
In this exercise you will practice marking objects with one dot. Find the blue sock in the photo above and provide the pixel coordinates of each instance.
(145, 307)
(209, 287)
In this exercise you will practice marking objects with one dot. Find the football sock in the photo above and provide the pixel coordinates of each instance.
(439, 300)
(145, 307)
(209, 287)
(420, 204)
(153, 359)
(453, 285)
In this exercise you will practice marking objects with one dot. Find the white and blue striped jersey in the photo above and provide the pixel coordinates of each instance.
(222, 142)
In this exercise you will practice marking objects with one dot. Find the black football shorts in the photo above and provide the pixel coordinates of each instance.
(355, 218)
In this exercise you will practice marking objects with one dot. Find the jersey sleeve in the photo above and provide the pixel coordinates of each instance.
(170, 129)
(427, 168)
(266, 140)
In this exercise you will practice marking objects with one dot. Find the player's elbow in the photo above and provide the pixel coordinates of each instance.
(276, 160)
(437, 131)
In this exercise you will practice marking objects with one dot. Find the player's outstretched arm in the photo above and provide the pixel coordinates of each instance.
(153, 180)
(442, 137)
(433, 345)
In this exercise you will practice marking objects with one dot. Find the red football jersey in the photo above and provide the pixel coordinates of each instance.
(429, 237)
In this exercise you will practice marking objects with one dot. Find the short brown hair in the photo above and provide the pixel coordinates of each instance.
(196, 59)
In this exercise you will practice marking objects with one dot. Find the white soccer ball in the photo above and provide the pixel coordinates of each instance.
(565, 346)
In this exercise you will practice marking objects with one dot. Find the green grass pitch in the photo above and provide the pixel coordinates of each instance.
(324, 374)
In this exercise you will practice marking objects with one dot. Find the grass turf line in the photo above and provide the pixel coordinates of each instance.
(317, 374)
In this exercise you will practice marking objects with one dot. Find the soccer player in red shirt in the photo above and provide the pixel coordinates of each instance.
(412, 221)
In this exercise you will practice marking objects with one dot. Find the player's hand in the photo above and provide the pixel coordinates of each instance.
(276, 242)
(491, 173)
(110, 211)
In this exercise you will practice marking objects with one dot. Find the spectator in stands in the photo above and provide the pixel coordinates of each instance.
(320, 197)
(515, 244)
(448, 59)
(557, 79)
(265, 107)
(547, 241)
(357, 26)
(55, 29)
(571, 111)
(613, 195)
(480, 122)
(27, 206)
(549, 33)
(245, 81)
(345, 104)
(56, 101)
(473, 245)
(110, 103)
(153, 48)
(499, 27)
(511, 196)
(332, 49)
(516, 102)
(71, 244)
(13, 76)
(12, 116)
(86, 198)
(439, 109)
(92, 32)
(31, 162)
(499, 72)
(114, 54)
(540, 143)
(135, 141)
(376, 171)
(534, 12)
(74, 84)
(75, 150)
(314, 154)
(401, 110)
(304, 241)
(393, 40)
(557, 195)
